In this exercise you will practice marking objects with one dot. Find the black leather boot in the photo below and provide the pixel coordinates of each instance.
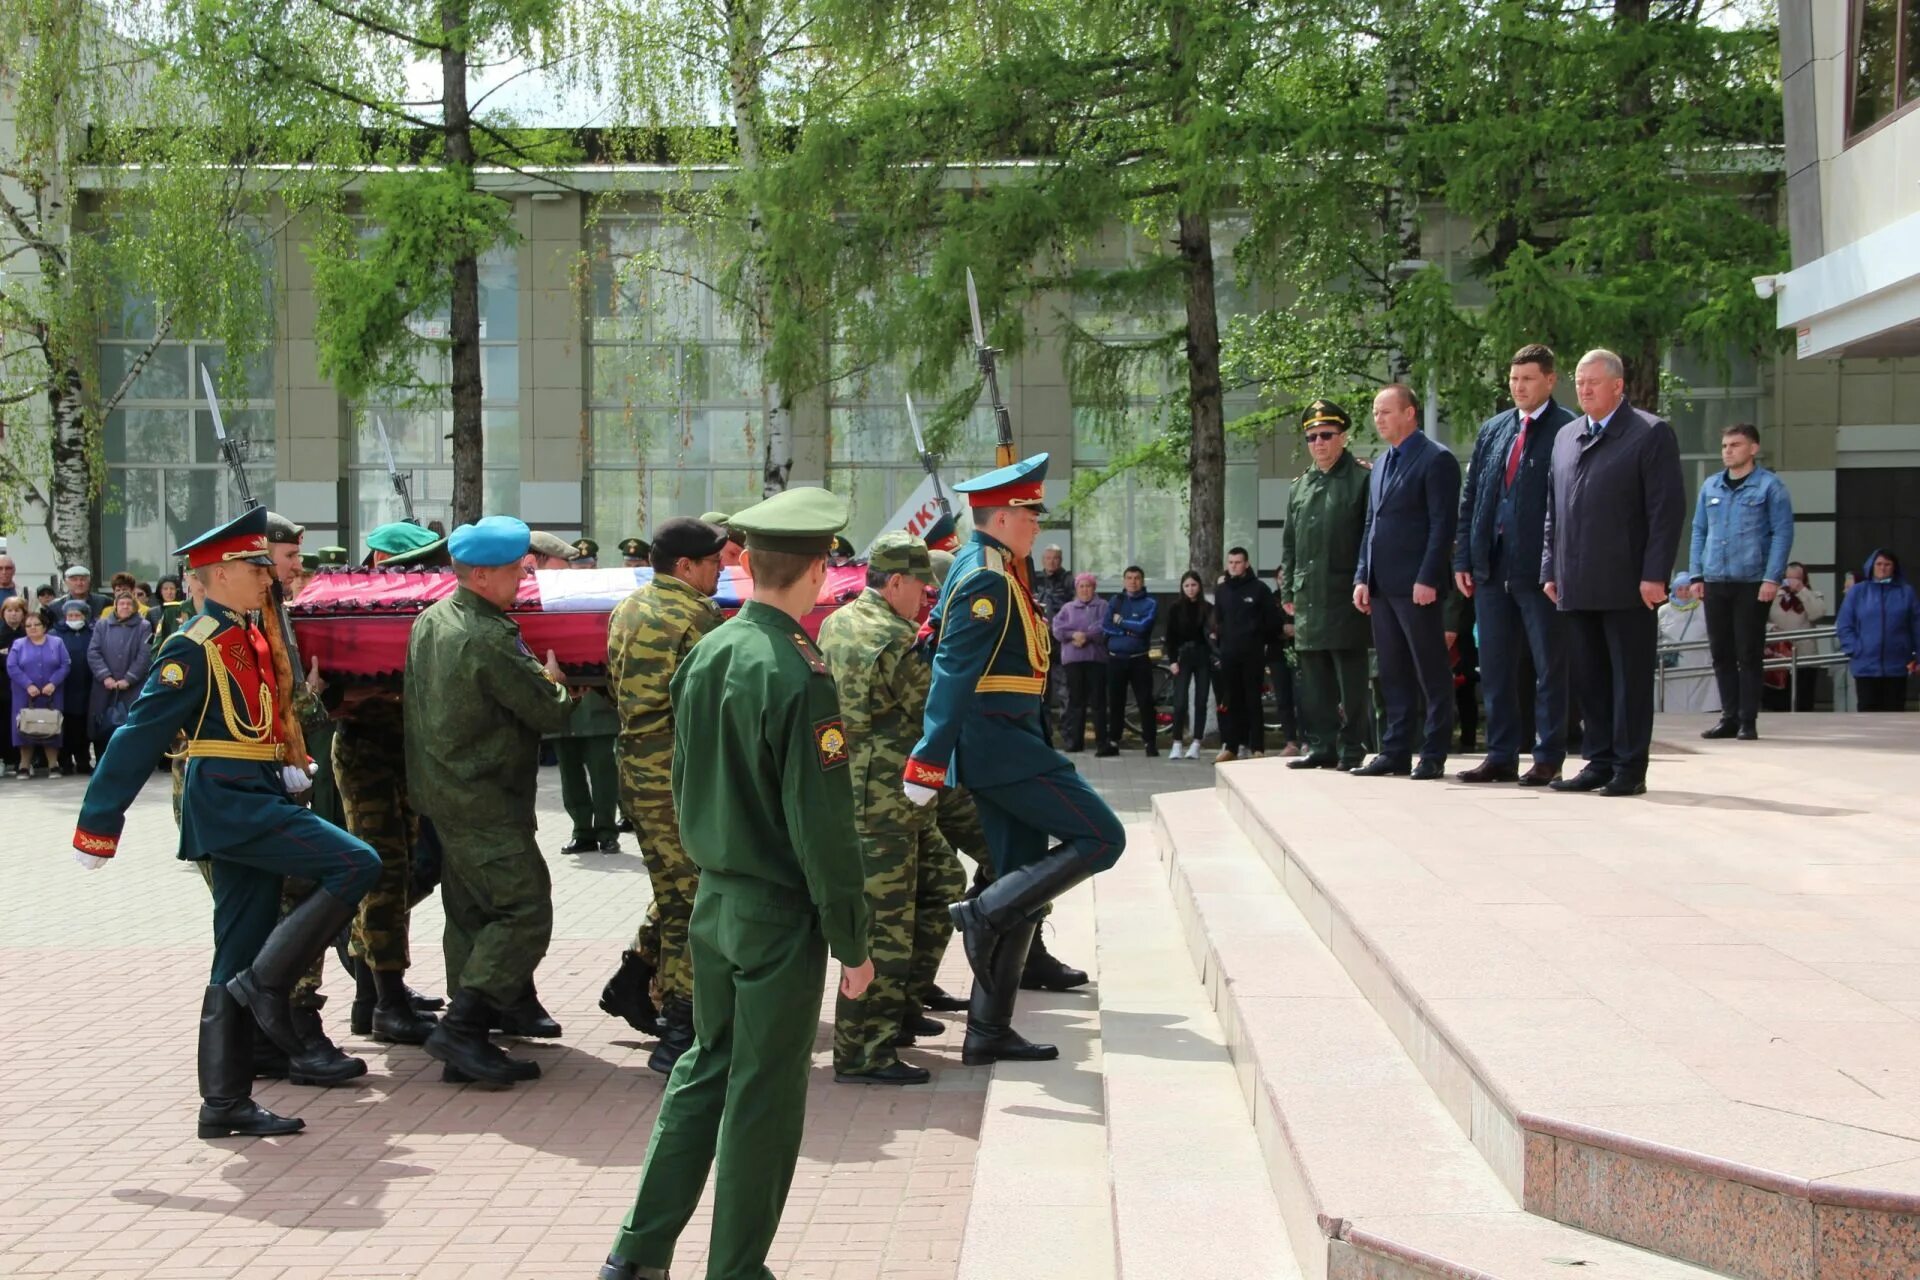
(461, 1042)
(1046, 973)
(627, 994)
(523, 1069)
(360, 1021)
(676, 1034)
(320, 1061)
(227, 1108)
(526, 1018)
(940, 1000)
(269, 1063)
(395, 1020)
(1011, 901)
(618, 1268)
(300, 936)
(425, 1003)
(914, 1025)
(990, 1033)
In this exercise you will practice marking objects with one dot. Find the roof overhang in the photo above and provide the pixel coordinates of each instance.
(1859, 301)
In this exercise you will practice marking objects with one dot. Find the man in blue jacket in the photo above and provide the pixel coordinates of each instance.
(1129, 629)
(1496, 562)
(1742, 536)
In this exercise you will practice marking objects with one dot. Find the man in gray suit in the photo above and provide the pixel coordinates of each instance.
(1615, 505)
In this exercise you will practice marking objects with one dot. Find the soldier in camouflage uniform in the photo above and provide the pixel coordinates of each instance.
(648, 638)
(912, 873)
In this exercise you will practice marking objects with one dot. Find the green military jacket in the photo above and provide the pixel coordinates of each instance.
(1319, 550)
(883, 686)
(476, 705)
(760, 774)
(647, 639)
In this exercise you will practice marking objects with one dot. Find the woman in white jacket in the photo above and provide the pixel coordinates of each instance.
(1686, 678)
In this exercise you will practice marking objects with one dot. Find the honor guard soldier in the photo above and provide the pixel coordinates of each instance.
(761, 781)
(476, 705)
(648, 639)
(635, 553)
(912, 873)
(224, 685)
(984, 730)
(586, 554)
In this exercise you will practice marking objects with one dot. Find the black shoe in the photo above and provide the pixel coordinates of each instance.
(300, 936)
(1314, 762)
(610, 845)
(1625, 784)
(1725, 729)
(581, 844)
(676, 1034)
(990, 1033)
(227, 1109)
(520, 1068)
(917, 1023)
(1748, 733)
(1106, 752)
(892, 1073)
(1591, 778)
(425, 1003)
(320, 1062)
(1428, 770)
(1382, 767)
(526, 1018)
(624, 827)
(1153, 751)
(1540, 776)
(1043, 972)
(940, 1002)
(461, 1042)
(395, 1020)
(1488, 771)
(618, 1268)
(627, 994)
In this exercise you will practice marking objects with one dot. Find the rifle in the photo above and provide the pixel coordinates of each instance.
(1003, 454)
(234, 452)
(400, 483)
(928, 460)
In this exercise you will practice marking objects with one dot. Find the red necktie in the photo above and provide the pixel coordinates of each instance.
(1519, 448)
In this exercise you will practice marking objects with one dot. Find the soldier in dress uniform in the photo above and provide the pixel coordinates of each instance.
(984, 730)
(648, 640)
(912, 873)
(635, 553)
(223, 684)
(477, 702)
(761, 781)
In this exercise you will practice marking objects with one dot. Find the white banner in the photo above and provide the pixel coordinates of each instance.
(920, 512)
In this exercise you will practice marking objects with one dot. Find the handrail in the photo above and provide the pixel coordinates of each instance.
(1793, 661)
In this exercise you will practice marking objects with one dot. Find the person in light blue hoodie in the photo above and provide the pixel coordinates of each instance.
(1129, 628)
(1879, 631)
(1742, 537)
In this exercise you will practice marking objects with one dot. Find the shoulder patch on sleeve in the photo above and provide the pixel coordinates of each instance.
(201, 628)
(814, 660)
(981, 610)
(830, 742)
(172, 675)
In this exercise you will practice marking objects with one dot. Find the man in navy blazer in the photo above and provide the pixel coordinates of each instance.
(1503, 515)
(1413, 500)
(1614, 512)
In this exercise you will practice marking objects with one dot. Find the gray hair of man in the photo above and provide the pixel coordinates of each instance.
(1614, 366)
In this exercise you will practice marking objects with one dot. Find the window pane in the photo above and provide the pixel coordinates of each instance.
(1875, 33)
(164, 378)
(871, 433)
(500, 294)
(1910, 74)
(722, 372)
(500, 374)
(500, 441)
(672, 492)
(413, 433)
(374, 504)
(192, 504)
(259, 372)
(735, 490)
(253, 426)
(147, 435)
(620, 436)
(1159, 529)
(682, 439)
(624, 374)
(1100, 529)
(500, 491)
(869, 494)
(736, 436)
(133, 536)
(615, 513)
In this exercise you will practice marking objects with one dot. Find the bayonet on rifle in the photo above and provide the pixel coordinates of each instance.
(928, 460)
(1003, 455)
(230, 448)
(400, 483)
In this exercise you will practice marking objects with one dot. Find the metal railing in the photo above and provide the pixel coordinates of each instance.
(1806, 639)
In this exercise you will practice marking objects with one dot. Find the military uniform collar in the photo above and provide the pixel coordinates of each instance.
(224, 616)
(667, 582)
(767, 616)
(478, 603)
(872, 599)
(986, 539)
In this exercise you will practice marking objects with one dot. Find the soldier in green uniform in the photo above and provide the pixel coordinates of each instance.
(635, 553)
(761, 780)
(1319, 547)
(648, 639)
(589, 781)
(477, 703)
(912, 873)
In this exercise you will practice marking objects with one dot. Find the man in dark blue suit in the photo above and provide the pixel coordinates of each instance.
(1503, 514)
(1413, 501)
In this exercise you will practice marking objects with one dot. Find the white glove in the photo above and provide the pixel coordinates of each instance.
(88, 862)
(921, 796)
(295, 779)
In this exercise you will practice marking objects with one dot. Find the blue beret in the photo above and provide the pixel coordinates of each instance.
(495, 540)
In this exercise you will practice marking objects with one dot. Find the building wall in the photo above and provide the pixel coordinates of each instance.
(1874, 179)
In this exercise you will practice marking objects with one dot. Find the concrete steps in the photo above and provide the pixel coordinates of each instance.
(1375, 1177)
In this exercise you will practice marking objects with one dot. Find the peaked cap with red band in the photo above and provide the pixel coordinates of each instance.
(244, 538)
(1022, 484)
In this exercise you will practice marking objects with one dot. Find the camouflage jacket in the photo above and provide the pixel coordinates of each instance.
(883, 693)
(647, 639)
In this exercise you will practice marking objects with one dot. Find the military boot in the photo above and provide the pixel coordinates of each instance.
(265, 985)
(227, 1108)
(676, 1034)
(626, 994)
(618, 1268)
(1012, 902)
(395, 1020)
(460, 1041)
(526, 1018)
(365, 996)
(914, 1025)
(1046, 973)
(990, 1033)
(940, 1000)
(320, 1061)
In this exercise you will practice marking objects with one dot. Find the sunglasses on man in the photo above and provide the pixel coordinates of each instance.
(1316, 437)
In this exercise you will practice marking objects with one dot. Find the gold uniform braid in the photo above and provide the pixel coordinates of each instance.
(284, 677)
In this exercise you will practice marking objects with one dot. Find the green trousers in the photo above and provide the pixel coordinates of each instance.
(498, 898)
(590, 786)
(736, 1102)
(1335, 716)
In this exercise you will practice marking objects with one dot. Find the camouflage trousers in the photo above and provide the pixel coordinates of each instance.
(371, 771)
(662, 938)
(912, 876)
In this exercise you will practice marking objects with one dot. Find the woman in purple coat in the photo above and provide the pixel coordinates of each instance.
(37, 670)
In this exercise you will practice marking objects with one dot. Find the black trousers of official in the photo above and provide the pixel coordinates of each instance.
(1086, 693)
(1523, 667)
(1411, 640)
(1135, 674)
(1737, 639)
(1880, 693)
(1611, 658)
(1243, 723)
